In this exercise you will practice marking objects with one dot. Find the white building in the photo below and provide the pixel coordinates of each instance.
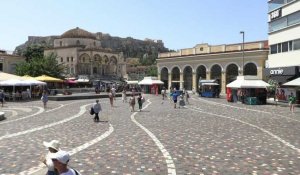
(284, 40)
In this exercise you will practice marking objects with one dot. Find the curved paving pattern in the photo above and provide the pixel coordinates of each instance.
(209, 136)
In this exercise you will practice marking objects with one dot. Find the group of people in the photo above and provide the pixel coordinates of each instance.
(175, 94)
(57, 160)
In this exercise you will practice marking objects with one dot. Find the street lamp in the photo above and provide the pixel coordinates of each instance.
(243, 47)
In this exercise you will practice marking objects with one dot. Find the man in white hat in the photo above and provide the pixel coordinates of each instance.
(53, 147)
(60, 160)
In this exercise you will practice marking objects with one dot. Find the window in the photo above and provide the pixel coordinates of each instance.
(274, 4)
(279, 48)
(68, 60)
(1, 66)
(72, 59)
(274, 49)
(278, 24)
(61, 59)
(285, 47)
(294, 18)
(290, 45)
(296, 44)
(60, 43)
(78, 42)
(201, 48)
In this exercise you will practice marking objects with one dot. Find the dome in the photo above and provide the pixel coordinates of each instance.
(78, 33)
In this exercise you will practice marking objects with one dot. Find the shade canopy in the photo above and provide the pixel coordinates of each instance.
(28, 77)
(150, 81)
(295, 82)
(14, 82)
(47, 78)
(132, 82)
(247, 82)
(6, 76)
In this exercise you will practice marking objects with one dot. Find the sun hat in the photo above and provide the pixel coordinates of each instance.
(52, 144)
(61, 156)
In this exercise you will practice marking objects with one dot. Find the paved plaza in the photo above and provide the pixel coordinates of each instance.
(208, 136)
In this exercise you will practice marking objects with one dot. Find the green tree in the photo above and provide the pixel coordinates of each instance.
(37, 66)
(271, 89)
(152, 71)
(33, 51)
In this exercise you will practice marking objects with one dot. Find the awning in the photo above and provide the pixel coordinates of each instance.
(295, 82)
(212, 84)
(6, 76)
(132, 82)
(47, 78)
(247, 82)
(150, 81)
(82, 80)
(14, 82)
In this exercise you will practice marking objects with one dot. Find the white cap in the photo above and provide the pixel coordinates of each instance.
(62, 156)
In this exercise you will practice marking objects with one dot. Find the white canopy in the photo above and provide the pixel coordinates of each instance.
(35, 82)
(295, 82)
(132, 82)
(6, 76)
(247, 82)
(150, 81)
(14, 82)
(211, 84)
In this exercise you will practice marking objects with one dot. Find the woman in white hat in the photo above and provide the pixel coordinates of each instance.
(53, 147)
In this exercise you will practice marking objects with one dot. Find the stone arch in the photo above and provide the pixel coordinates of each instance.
(84, 66)
(188, 65)
(200, 74)
(250, 69)
(112, 65)
(175, 77)
(216, 74)
(232, 71)
(188, 78)
(105, 62)
(164, 76)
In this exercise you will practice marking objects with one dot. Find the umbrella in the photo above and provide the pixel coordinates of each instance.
(48, 79)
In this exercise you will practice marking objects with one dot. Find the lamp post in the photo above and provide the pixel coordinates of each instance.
(243, 47)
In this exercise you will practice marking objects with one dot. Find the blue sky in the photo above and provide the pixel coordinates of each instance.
(179, 23)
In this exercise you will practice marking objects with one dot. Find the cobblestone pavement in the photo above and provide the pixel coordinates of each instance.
(208, 136)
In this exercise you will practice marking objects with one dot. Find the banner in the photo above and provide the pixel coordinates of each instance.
(282, 94)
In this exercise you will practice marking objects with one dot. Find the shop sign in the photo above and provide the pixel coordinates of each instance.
(276, 71)
(275, 14)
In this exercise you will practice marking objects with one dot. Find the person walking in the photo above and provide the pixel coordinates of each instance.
(2, 97)
(124, 97)
(163, 93)
(174, 97)
(113, 91)
(132, 102)
(97, 109)
(140, 101)
(111, 98)
(60, 161)
(292, 101)
(44, 98)
(187, 96)
(53, 147)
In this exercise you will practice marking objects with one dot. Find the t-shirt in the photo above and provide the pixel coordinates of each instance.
(70, 172)
(175, 95)
(292, 99)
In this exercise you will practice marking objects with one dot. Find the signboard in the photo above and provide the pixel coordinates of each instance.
(282, 94)
(275, 14)
(276, 72)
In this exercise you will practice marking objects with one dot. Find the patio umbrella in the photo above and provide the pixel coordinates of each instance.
(48, 79)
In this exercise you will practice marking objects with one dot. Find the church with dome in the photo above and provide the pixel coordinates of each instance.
(81, 53)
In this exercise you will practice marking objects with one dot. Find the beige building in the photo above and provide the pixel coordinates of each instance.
(8, 62)
(184, 68)
(82, 54)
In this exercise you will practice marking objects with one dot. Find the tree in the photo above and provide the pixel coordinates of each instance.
(271, 89)
(33, 51)
(152, 71)
(37, 66)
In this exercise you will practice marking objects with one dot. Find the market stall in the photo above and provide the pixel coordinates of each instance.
(151, 85)
(209, 88)
(248, 90)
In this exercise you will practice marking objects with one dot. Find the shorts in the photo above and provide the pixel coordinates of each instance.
(175, 101)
